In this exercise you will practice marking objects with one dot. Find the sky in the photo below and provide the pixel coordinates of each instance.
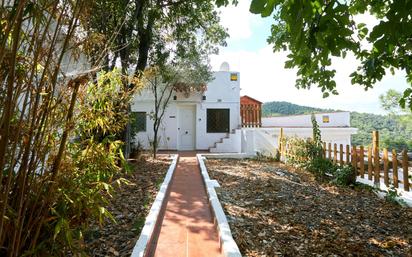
(263, 76)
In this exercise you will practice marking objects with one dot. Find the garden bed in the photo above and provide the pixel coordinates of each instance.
(129, 206)
(274, 210)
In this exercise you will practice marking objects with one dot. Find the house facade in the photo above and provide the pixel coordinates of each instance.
(219, 120)
(196, 121)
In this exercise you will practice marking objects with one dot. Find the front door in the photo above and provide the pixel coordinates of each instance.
(186, 127)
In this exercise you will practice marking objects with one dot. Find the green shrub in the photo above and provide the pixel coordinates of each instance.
(93, 158)
(321, 166)
(344, 175)
(392, 196)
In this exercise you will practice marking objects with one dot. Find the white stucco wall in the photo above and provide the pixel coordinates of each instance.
(265, 140)
(336, 119)
(221, 93)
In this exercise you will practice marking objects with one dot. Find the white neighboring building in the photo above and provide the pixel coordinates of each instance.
(196, 122)
(334, 126)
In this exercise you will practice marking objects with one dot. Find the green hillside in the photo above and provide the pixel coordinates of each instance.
(286, 108)
(394, 131)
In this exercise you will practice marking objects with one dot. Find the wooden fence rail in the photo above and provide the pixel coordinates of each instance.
(251, 115)
(389, 167)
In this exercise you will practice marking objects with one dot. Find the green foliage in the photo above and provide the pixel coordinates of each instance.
(344, 175)
(316, 136)
(393, 134)
(285, 108)
(308, 154)
(86, 180)
(268, 158)
(392, 196)
(321, 166)
(151, 33)
(315, 31)
(390, 101)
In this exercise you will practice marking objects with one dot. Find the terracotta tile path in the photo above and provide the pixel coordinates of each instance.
(187, 227)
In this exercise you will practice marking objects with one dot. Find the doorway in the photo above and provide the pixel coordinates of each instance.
(186, 128)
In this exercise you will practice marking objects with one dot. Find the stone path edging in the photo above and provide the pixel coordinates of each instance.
(229, 246)
(145, 237)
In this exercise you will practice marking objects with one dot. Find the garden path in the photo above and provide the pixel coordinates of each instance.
(187, 227)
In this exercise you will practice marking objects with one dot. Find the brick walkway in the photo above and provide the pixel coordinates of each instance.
(187, 227)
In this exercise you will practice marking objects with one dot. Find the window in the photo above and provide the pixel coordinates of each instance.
(218, 120)
(325, 118)
(138, 122)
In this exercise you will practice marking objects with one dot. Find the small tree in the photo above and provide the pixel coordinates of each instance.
(317, 139)
(315, 146)
(184, 76)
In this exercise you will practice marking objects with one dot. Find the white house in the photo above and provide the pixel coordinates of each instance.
(211, 120)
(197, 121)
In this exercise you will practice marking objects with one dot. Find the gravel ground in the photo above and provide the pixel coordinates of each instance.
(129, 206)
(274, 210)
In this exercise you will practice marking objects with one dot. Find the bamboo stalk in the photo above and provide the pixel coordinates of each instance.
(395, 168)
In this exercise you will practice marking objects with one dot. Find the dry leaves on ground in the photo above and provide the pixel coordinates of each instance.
(129, 206)
(274, 210)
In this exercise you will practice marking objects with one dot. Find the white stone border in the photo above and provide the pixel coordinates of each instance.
(143, 242)
(404, 196)
(229, 246)
(228, 155)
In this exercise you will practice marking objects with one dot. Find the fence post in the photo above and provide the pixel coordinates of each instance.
(375, 136)
(341, 155)
(405, 170)
(347, 154)
(330, 151)
(280, 143)
(335, 153)
(324, 150)
(370, 165)
(362, 161)
(354, 159)
(385, 167)
(242, 118)
(395, 168)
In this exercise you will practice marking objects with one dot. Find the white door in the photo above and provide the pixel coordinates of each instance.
(186, 128)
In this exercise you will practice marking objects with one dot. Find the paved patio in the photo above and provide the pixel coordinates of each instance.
(187, 227)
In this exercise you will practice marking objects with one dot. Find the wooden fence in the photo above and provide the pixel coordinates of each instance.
(370, 162)
(251, 115)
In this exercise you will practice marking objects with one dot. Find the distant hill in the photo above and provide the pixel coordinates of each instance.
(393, 133)
(286, 108)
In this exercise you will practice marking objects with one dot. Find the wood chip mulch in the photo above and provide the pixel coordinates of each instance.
(274, 210)
(129, 206)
